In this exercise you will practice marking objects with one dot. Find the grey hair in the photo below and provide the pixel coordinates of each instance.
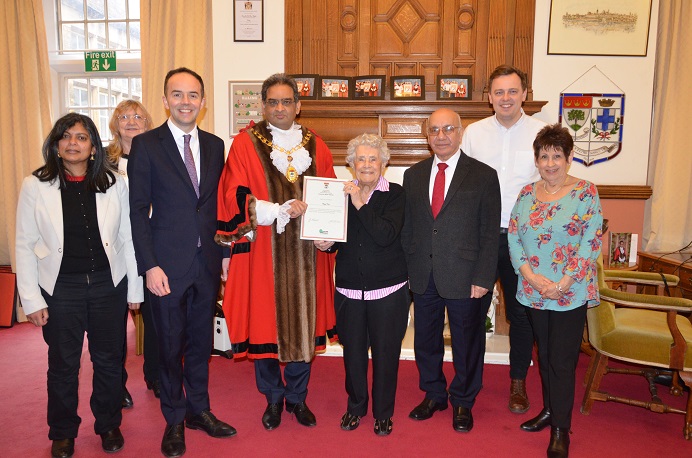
(371, 140)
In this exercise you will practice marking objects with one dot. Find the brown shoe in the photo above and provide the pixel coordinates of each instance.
(518, 400)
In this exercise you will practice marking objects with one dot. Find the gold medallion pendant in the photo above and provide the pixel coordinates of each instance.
(291, 174)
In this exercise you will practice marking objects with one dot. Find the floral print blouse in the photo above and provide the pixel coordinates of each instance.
(557, 238)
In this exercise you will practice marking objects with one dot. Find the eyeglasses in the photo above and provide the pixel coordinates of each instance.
(136, 118)
(447, 130)
(275, 103)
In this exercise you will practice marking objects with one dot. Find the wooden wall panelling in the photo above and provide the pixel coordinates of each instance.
(523, 39)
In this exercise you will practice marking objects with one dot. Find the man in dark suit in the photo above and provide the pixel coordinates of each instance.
(450, 239)
(174, 172)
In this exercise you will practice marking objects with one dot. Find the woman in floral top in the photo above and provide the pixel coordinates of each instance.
(554, 240)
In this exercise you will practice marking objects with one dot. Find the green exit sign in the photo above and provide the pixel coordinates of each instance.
(99, 61)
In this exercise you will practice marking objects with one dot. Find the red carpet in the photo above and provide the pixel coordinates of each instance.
(610, 430)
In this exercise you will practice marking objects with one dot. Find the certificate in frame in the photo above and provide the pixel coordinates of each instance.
(245, 104)
(248, 20)
(327, 215)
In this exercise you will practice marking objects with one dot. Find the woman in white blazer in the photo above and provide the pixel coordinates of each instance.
(76, 273)
(130, 119)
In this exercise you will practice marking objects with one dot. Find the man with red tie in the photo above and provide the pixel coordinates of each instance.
(450, 239)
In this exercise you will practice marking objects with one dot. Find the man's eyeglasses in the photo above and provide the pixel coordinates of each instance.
(275, 103)
(136, 118)
(447, 130)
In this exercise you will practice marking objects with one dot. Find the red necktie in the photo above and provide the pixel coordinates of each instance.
(438, 196)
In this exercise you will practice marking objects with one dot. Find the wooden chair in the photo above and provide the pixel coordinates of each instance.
(642, 329)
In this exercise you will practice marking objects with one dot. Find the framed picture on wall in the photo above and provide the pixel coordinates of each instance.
(599, 27)
(245, 104)
(335, 87)
(407, 87)
(248, 20)
(369, 87)
(306, 85)
(620, 246)
(454, 87)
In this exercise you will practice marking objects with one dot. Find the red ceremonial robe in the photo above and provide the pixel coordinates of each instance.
(297, 325)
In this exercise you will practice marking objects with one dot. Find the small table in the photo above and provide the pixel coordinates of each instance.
(679, 264)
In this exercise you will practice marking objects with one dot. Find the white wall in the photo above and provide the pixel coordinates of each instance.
(634, 75)
(551, 74)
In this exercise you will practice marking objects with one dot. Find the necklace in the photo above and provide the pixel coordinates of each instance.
(291, 172)
(554, 192)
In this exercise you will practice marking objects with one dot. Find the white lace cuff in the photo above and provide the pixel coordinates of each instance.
(283, 218)
(266, 212)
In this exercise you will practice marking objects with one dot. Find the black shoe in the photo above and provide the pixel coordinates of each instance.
(349, 422)
(112, 441)
(559, 443)
(127, 399)
(538, 423)
(383, 427)
(154, 386)
(302, 412)
(207, 422)
(426, 409)
(173, 443)
(272, 416)
(463, 420)
(63, 448)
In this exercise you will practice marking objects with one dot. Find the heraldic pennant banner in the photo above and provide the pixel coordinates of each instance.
(595, 122)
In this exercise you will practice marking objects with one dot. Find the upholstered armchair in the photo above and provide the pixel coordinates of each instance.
(643, 329)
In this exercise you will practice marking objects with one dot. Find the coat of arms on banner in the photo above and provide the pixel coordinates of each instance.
(595, 121)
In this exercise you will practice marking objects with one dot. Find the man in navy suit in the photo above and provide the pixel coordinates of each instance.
(450, 239)
(174, 172)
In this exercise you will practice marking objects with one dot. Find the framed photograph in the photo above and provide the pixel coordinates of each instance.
(599, 27)
(335, 87)
(368, 87)
(306, 86)
(455, 87)
(620, 245)
(248, 20)
(407, 87)
(245, 104)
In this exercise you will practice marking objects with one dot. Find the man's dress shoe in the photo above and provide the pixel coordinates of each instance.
(207, 422)
(127, 399)
(302, 412)
(463, 420)
(426, 409)
(63, 448)
(518, 399)
(173, 443)
(559, 443)
(271, 419)
(538, 423)
(112, 441)
(154, 386)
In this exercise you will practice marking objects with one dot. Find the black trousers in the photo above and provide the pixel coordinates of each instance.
(558, 336)
(520, 333)
(468, 341)
(151, 344)
(379, 324)
(184, 327)
(84, 303)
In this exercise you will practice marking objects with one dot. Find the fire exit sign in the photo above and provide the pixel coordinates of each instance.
(99, 61)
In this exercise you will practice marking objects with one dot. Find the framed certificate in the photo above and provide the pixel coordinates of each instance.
(248, 20)
(327, 213)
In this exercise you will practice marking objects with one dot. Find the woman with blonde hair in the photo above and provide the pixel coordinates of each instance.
(130, 119)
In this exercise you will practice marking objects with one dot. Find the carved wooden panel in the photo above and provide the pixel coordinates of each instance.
(403, 37)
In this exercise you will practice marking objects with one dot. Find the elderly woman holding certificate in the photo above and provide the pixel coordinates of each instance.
(371, 299)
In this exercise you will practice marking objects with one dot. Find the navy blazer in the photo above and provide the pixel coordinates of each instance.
(159, 181)
(460, 245)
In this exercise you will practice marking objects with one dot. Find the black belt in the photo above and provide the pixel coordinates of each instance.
(503, 230)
